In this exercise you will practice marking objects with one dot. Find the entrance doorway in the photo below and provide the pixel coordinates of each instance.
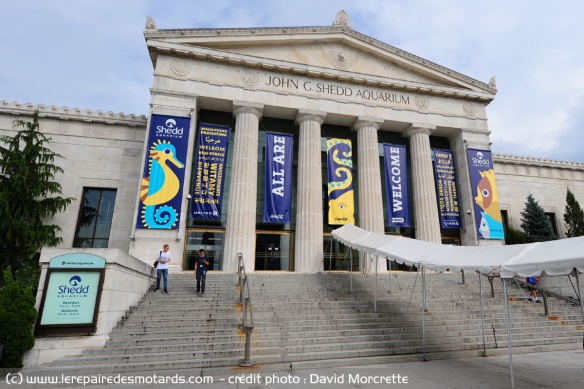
(274, 251)
(211, 240)
(337, 256)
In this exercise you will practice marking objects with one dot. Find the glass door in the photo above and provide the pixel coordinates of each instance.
(211, 240)
(337, 256)
(274, 251)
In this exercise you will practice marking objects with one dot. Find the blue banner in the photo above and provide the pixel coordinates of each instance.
(278, 178)
(209, 172)
(340, 181)
(163, 178)
(396, 186)
(448, 204)
(484, 191)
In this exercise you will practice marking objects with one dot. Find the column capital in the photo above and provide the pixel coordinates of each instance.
(367, 121)
(244, 106)
(419, 128)
(307, 114)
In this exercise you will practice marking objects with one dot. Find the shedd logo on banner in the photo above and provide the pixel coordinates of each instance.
(480, 160)
(170, 128)
(75, 286)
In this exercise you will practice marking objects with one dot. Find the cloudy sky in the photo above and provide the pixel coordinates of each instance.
(92, 55)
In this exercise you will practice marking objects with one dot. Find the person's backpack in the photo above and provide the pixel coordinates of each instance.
(156, 262)
(530, 280)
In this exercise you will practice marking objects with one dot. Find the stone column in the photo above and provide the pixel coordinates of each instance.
(424, 190)
(309, 228)
(240, 230)
(369, 181)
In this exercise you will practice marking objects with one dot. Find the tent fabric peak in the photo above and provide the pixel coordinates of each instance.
(556, 257)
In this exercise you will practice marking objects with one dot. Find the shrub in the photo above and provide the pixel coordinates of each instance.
(17, 317)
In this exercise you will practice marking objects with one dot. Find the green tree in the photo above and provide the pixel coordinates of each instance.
(535, 223)
(514, 236)
(17, 317)
(28, 194)
(573, 216)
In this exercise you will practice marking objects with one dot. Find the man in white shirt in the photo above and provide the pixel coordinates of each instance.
(162, 268)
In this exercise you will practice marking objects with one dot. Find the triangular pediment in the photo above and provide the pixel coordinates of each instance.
(340, 50)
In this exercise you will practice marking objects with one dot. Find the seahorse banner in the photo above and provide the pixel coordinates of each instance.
(209, 172)
(278, 178)
(163, 179)
(396, 186)
(484, 191)
(340, 181)
(448, 204)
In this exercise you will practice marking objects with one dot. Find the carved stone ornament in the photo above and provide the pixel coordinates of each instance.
(250, 78)
(422, 102)
(470, 109)
(150, 23)
(342, 20)
(181, 67)
(340, 59)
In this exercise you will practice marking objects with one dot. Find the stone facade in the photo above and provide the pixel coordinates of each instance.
(310, 78)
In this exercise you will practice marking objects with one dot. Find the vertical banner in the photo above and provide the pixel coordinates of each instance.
(484, 191)
(447, 194)
(163, 177)
(340, 181)
(278, 178)
(209, 170)
(396, 186)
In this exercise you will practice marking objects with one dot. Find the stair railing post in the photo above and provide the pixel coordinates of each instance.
(492, 287)
(482, 314)
(545, 304)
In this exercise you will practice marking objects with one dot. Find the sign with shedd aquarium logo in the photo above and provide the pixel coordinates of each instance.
(70, 297)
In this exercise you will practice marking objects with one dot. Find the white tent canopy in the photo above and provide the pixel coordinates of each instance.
(556, 257)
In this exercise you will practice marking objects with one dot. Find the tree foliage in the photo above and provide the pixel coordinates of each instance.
(17, 317)
(535, 223)
(573, 216)
(29, 196)
(514, 236)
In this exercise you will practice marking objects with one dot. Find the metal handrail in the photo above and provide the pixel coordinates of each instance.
(245, 301)
(548, 292)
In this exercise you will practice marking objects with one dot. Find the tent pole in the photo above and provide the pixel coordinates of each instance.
(482, 314)
(351, 270)
(375, 303)
(424, 313)
(579, 292)
(508, 332)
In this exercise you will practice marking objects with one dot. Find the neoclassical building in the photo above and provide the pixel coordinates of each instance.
(232, 106)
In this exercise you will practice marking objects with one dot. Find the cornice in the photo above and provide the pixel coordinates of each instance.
(267, 31)
(256, 63)
(64, 113)
(535, 161)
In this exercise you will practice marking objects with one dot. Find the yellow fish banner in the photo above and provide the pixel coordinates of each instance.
(340, 181)
(484, 191)
(163, 178)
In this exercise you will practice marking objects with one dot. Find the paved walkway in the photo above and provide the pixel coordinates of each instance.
(559, 369)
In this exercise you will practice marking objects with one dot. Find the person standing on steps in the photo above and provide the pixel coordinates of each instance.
(162, 269)
(533, 292)
(201, 271)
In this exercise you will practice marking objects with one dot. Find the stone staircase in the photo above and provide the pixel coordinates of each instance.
(312, 321)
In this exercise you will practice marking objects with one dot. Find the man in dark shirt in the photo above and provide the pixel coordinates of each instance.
(201, 271)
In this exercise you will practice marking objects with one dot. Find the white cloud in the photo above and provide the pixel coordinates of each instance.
(91, 54)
